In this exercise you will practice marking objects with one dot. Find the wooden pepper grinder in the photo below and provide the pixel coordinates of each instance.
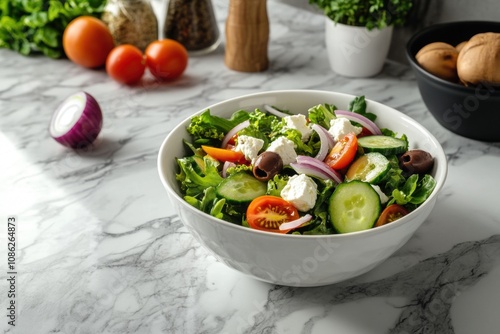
(247, 36)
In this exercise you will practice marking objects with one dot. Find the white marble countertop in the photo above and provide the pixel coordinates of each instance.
(100, 249)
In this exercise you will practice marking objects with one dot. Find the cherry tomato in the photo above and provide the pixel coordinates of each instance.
(166, 59)
(223, 154)
(87, 41)
(390, 214)
(365, 132)
(343, 153)
(267, 213)
(126, 64)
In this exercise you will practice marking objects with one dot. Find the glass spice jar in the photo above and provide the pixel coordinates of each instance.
(193, 24)
(131, 22)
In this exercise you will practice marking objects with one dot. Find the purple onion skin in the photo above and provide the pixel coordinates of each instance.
(86, 129)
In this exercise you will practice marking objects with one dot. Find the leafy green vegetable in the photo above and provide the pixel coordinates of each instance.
(36, 26)
(358, 105)
(209, 203)
(394, 177)
(235, 213)
(195, 178)
(263, 126)
(322, 114)
(425, 186)
(276, 184)
(320, 210)
(239, 168)
(366, 13)
(210, 129)
(300, 147)
(414, 191)
(266, 123)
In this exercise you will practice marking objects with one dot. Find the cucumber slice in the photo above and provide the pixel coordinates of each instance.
(370, 167)
(354, 206)
(385, 145)
(241, 188)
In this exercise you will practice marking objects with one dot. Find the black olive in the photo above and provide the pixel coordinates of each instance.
(267, 165)
(416, 161)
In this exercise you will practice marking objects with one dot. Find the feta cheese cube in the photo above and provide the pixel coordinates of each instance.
(341, 126)
(285, 148)
(249, 146)
(383, 197)
(298, 122)
(301, 191)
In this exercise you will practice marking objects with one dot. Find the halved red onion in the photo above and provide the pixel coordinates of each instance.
(77, 121)
(326, 141)
(295, 223)
(274, 111)
(315, 167)
(231, 133)
(362, 120)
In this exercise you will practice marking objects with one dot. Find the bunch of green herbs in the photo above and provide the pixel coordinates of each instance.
(366, 13)
(36, 26)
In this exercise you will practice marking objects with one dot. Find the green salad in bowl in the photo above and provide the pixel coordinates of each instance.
(290, 186)
(320, 171)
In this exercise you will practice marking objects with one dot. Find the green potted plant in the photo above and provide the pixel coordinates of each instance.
(358, 32)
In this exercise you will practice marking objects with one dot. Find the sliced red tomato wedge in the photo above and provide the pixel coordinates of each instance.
(391, 213)
(223, 154)
(267, 213)
(343, 152)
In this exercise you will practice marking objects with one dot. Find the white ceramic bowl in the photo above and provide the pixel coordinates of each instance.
(298, 260)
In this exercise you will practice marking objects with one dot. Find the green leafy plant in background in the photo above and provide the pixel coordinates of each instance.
(37, 26)
(366, 13)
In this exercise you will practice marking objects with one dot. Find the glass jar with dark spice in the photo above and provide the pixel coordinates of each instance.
(131, 22)
(193, 24)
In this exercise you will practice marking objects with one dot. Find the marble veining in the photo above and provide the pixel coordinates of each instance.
(101, 250)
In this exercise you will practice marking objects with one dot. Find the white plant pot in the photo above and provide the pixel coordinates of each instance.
(356, 51)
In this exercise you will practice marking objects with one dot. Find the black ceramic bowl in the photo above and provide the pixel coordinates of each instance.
(472, 112)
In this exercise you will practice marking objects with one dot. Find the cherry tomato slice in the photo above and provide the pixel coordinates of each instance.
(343, 153)
(267, 213)
(232, 141)
(223, 154)
(365, 132)
(390, 214)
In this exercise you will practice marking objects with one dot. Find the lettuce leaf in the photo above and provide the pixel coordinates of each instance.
(210, 129)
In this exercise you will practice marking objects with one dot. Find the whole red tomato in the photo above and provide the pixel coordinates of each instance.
(87, 41)
(166, 59)
(126, 64)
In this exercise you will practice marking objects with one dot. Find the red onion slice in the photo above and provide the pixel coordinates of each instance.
(226, 165)
(77, 121)
(365, 122)
(274, 111)
(231, 133)
(319, 167)
(326, 140)
(310, 170)
(295, 223)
